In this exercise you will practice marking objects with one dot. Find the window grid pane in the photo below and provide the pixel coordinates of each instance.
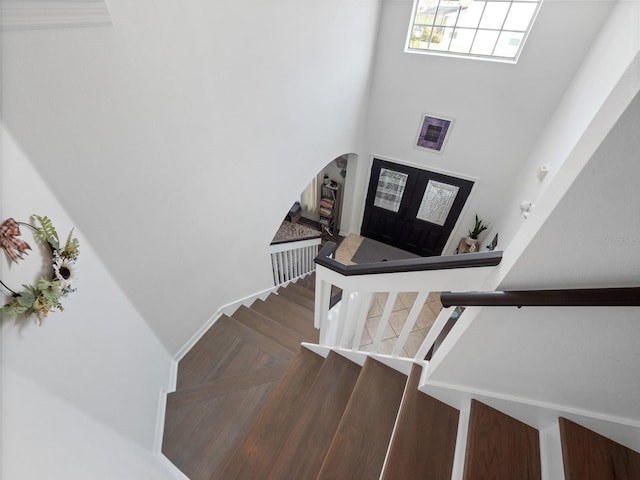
(470, 17)
(485, 42)
(481, 28)
(494, 15)
(519, 17)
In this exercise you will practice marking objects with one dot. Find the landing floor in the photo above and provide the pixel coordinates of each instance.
(401, 309)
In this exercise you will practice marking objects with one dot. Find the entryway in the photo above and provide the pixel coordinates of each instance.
(412, 209)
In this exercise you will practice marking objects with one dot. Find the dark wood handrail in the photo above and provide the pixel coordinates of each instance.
(580, 297)
(467, 260)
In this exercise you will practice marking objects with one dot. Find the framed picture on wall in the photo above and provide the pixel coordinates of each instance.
(433, 132)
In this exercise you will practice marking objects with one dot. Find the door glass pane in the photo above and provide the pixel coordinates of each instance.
(390, 189)
(437, 202)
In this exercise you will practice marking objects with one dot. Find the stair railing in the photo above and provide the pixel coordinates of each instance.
(292, 260)
(454, 303)
(360, 283)
(577, 297)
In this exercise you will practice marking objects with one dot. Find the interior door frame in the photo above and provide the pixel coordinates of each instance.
(476, 181)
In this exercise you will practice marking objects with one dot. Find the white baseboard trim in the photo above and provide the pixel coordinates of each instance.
(160, 416)
(503, 400)
(173, 470)
(400, 364)
(317, 349)
(355, 356)
(227, 309)
(173, 376)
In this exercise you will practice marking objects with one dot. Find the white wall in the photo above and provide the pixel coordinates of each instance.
(592, 238)
(498, 109)
(177, 138)
(96, 368)
(602, 88)
(583, 359)
(44, 437)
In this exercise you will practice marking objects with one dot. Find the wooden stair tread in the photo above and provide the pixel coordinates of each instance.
(290, 320)
(308, 282)
(361, 441)
(199, 438)
(313, 431)
(297, 295)
(271, 329)
(424, 440)
(192, 366)
(234, 348)
(587, 455)
(225, 385)
(257, 451)
(302, 291)
(499, 446)
(290, 306)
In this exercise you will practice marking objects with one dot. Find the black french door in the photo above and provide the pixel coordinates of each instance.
(412, 209)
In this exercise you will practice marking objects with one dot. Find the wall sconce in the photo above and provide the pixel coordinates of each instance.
(526, 206)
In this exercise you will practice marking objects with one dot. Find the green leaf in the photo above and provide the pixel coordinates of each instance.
(46, 231)
(72, 247)
(27, 297)
(44, 284)
(14, 309)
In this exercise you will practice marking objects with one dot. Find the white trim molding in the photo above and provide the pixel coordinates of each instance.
(227, 309)
(39, 14)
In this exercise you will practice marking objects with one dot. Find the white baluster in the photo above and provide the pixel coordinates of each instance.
(384, 321)
(364, 304)
(274, 267)
(345, 315)
(410, 322)
(280, 268)
(323, 296)
(434, 331)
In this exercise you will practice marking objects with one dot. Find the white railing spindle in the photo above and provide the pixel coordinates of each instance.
(410, 322)
(294, 259)
(435, 330)
(364, 302)
(384, 320)
(359, 288)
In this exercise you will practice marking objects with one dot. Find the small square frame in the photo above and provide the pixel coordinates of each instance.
(433, 132)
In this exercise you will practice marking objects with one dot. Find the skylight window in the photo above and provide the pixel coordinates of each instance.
(491, 29)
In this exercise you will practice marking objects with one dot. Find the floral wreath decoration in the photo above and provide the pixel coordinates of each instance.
(44, 296)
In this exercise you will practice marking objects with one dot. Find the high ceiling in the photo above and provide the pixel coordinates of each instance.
(178, 137)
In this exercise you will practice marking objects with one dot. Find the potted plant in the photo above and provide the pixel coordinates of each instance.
(478, 228)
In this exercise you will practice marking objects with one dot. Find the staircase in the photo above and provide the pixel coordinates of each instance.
(251, 403)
